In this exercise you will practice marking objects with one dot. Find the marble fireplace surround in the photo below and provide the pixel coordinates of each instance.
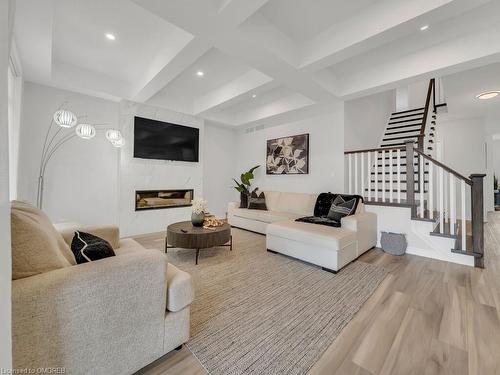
(147, 174)
(160, 199)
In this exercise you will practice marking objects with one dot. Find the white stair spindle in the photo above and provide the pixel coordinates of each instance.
(462, 210)
(431, 191)
(422, 191)
(390, 176)
(362, 175)
(375, 187)
(356, 174)
(441, 202)
(398, 171)
(369, 176)
(383, 176)
(452, 204)
(350, 174)
(446, 201)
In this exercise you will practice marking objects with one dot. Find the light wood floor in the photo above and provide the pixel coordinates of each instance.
(427, 317)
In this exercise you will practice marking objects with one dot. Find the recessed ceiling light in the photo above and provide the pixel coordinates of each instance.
(110, 36)
(423, 28)
(199, 73)
(487, 95)
(254, 95)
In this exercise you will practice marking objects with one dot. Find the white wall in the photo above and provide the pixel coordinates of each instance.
(326, 154)
(492, 127)
(6, 17)
(219, 167)
(81, 179)
(141, 174)
(463, 144)
(417, 94)
(366, 119)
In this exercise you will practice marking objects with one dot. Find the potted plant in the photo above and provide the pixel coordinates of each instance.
(243, 187)
(198, 214)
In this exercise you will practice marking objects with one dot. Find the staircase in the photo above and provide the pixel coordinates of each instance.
(435, 193)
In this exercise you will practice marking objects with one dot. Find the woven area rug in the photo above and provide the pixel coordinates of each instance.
(261, 313)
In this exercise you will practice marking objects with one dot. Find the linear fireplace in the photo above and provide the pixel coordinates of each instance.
(156, 199)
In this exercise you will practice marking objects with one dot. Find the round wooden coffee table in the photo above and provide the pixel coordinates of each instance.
(185, 235)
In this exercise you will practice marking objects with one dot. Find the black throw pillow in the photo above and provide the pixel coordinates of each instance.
(341, 208)
(87, 247)
(257, 202)
(323, 204)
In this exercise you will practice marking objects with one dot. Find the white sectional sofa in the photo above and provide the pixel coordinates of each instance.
(329, 247)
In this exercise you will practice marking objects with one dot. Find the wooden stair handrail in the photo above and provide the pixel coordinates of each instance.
(430, 90)
(446, 168)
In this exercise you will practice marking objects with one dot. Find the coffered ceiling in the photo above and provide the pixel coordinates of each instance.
(262, 60)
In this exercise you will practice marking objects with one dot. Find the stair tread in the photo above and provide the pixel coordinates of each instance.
(404, 126)
(403, 121)
(408, 110)
(415, 114)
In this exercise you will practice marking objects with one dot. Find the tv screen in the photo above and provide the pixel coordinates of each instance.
(162, 140)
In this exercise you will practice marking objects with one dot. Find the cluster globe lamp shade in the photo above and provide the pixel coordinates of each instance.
(113, 135)
(65, 118)
(85, 131)
(118, 143)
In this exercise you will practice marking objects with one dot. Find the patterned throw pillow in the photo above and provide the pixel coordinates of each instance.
(257, 202)
(341, 208)
(88, 247)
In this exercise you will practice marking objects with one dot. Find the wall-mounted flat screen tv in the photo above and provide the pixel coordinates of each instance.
(162, 140)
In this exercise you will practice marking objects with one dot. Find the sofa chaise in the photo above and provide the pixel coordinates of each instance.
(329, 247)
(110, 316)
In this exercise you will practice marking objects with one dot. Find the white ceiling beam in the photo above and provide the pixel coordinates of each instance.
(220, 29)
(204, 20)
(232, 91)
(288, 103)
(187, 56)
(72, 78)
(298, 114)
(465, 52)
(381, 23)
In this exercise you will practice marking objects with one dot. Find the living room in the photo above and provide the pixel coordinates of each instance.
(222, 187)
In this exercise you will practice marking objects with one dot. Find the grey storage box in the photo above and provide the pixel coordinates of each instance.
(393, 243)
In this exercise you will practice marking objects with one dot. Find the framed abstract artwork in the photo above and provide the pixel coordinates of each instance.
(288, 155)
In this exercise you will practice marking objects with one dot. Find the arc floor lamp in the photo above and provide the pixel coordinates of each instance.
(55, 138)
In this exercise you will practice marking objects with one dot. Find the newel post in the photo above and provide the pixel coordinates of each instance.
(477, 217)
(410, 177)
(420, 142)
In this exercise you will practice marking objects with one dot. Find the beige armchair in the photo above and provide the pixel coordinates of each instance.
(111, 316)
